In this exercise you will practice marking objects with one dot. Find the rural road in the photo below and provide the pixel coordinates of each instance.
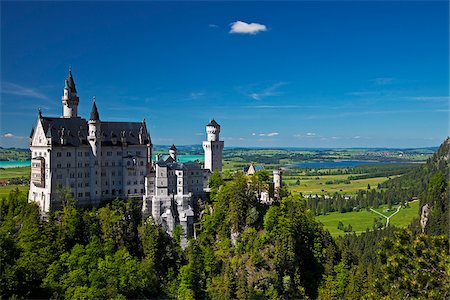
(387, 218)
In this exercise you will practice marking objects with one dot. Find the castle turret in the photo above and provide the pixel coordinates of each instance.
(94, 139)
(173, 152)
(277, 181)
(70, 99)
(213, 147)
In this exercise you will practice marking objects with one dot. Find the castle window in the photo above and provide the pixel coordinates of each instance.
(58, 154)
(72, 185)
(113, 163)
(109, 153)
(45, 154)
(88, 194)
(119, 153)
(128, 182)
(142, 172)
(113, 173)
(128, 163)
(120, 182)
(86, 174)
(86, 153)
(80, 194)
(80, 175)
(106, 192)
(128, 191)
(135, 191)
(80, 184)
(80, 154)
(86, 184)
(113, 183)
(68, 154)
(138, 152)
(106, 164)
(141, 163)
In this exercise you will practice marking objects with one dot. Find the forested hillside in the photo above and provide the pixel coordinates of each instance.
(243, 249)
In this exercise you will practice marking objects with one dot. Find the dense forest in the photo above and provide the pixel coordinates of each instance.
(243, 249)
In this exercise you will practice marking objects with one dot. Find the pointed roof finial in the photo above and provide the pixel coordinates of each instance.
(39, 113)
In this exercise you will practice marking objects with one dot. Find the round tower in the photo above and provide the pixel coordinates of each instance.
(213, 131)
(277, 181)
(70, 99)
(94, 138)
(213, 147)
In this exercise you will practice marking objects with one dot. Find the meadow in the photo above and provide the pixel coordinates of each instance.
(363, 219)
(9, 173)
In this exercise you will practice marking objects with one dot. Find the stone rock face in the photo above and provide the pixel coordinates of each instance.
(424, 216)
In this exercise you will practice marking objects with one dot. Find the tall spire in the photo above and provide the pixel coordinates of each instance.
(94, 112)
(70, 83)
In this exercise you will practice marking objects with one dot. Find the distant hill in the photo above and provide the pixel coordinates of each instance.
(14, 154)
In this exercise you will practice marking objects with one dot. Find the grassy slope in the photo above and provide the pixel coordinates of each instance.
(365, 219)
(13, 173)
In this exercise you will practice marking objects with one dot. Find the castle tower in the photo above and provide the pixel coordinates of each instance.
(95, 163)
(277, 181)
(173, 152)
(213, 147)
(70, 99)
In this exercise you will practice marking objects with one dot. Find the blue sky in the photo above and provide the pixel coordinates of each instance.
(298, 74)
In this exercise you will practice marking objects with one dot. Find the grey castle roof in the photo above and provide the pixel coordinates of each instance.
(75, 131)
(171, 165)
(94, 113)
(173, 147)
(70, 83)
(213, 123)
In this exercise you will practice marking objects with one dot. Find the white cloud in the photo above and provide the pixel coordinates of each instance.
(212, 25)
(12, 136)
(15, 89)
(310, 134)
(267, 92)
(383, 80)
(357, 137)
(196, 95)
(269, 134)
(430, 98)
(247, 28)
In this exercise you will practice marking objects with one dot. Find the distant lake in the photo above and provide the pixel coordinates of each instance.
(186, 158)
(14, 163)
(339, 163)
(27, 163)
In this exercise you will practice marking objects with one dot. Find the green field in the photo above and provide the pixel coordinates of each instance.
(317, 184)
(365, 219)
(9, 173)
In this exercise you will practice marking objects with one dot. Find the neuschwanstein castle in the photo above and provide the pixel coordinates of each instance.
(100, 160)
